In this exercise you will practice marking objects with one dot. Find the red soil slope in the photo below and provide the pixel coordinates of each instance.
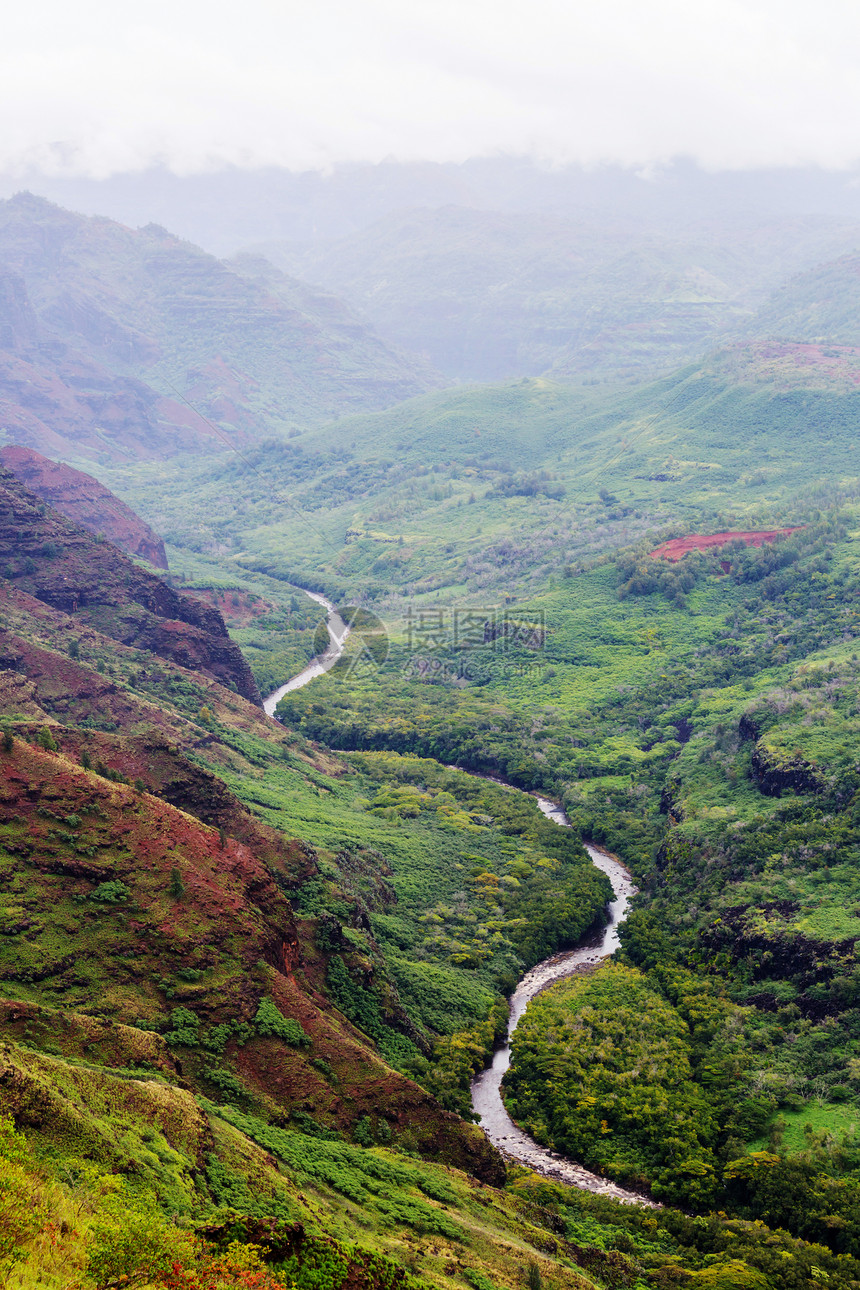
(47, 556)
(677, 548)
(85, 501)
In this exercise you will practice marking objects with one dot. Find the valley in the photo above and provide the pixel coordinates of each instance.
(259, 954)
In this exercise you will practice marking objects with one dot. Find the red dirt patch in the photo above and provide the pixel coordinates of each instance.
(677, 548)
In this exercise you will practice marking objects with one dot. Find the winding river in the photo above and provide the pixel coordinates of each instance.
(511, 1140)
(337, 632)
(486, 1089)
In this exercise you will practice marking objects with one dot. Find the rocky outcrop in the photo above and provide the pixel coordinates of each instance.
(776, 772)
(62, 565)
(85, 501)
(763, 938)
(748, 726)
(669, 804)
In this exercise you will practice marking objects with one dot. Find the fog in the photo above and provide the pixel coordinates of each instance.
(97, 89)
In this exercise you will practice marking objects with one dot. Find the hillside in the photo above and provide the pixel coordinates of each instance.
(58, 563)
(491, 491)
(86, 502)
(818, 305)
(123, 343)
(247, 979)
(248, 968)
(239, 1060)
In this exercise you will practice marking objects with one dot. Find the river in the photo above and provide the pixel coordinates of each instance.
(337, 632)
(486, 1089)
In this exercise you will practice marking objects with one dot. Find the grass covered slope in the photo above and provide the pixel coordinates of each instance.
(481, 494)
(124, 1177)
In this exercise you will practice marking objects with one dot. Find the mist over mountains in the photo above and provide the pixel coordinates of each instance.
(134, 343)
(226, 210)
(250, 967)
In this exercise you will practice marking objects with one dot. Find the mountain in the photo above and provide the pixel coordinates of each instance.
(208, 1074)
(86, 502)
(245, 979)
(133, 344)
(491, 491)
(51, 559)
(488, 295)
(818, 305)
(225, 210)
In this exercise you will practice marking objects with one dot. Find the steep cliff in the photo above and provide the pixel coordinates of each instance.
(61, 564)
(85, 501)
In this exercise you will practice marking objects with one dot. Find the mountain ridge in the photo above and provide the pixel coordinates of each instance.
(210, 353)
(82, 499)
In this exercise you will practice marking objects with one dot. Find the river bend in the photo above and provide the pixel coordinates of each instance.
(486, 1089)
(487, 1102)
(337, 633)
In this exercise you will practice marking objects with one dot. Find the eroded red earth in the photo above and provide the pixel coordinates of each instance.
(677, 548)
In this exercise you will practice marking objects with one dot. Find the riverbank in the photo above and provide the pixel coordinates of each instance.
(487, 1102)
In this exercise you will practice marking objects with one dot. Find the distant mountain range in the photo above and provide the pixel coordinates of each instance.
(488, 295)
(225, 210)
(121, 344)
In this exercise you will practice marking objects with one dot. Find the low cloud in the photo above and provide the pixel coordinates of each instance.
(96, 89)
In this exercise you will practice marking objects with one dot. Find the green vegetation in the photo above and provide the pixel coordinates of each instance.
(672, 714)
(284, 949)
(626, 1082)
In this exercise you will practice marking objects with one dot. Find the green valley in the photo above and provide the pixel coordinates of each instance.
(251, 967)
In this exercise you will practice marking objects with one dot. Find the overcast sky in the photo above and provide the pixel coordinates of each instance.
(97, 87)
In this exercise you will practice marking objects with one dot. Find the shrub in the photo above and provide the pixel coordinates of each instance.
(133, 1245)
(184, 1029)
(111, 892)
(363, 1132)
(226, 1082)
(240, 1266)
(270, 1021)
